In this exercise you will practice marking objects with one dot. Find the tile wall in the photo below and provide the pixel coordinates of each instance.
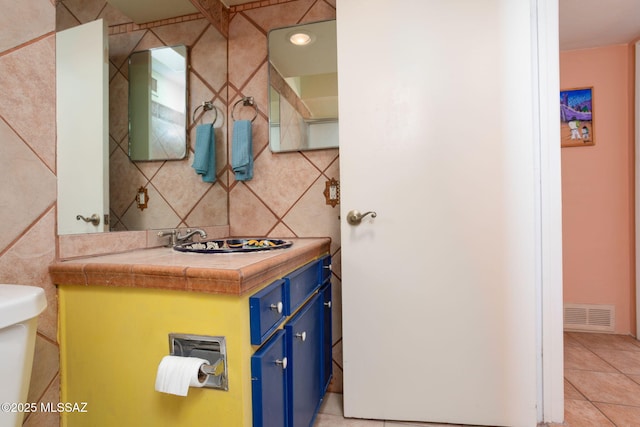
(285, 197)
(28, 175)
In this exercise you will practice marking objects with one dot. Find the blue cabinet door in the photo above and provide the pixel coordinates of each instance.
(327, 341)
(269, 367)
(304, 348)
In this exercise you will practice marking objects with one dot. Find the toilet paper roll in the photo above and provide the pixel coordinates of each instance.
(176, 374)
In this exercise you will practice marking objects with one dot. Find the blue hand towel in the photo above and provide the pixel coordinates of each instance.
(242, 150)
(204, 158)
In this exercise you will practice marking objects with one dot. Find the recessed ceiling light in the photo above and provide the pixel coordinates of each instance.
(301, 38)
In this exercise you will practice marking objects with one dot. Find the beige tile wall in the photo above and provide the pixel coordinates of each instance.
(285, 198)
(28, 175)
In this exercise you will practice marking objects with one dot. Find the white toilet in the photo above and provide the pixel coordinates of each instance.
(19, 309)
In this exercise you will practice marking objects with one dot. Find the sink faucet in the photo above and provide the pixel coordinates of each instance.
(189, 234)
(176, 237)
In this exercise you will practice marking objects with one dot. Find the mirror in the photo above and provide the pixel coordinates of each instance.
(158, 104)
(144, 195)
(303, 87)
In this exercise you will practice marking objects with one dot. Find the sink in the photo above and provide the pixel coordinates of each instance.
(216, 246)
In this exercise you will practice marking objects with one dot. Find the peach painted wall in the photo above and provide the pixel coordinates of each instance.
(597, 187)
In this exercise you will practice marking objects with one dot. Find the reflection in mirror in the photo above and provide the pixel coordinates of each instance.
(176, 196)
(158, 104)
(303, 87)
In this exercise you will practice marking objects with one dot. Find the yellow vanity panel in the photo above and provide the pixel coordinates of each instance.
(113, 338)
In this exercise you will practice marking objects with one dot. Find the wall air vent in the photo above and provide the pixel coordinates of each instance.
(589, 317)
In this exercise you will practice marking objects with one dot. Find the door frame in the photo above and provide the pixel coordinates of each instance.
(549, 212)
(637, 182)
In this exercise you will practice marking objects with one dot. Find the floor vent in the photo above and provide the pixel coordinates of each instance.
(589, 317)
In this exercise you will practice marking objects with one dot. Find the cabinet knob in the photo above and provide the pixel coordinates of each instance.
(327, 304)
(282, 362)
(302, 336)
(277, 307)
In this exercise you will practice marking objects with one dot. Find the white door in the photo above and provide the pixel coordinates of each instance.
(82, 96)
(436, 137)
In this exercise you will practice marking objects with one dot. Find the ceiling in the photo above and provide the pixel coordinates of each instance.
(318, 57)
(583, 23)
(592, 23)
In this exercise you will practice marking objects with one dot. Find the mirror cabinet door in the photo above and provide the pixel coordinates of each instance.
(303, 87)
(158, 104)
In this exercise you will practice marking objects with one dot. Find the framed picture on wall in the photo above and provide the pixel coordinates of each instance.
(576, 117)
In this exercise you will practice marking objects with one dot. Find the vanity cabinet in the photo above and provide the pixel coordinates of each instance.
(292, 369)
(117, 312)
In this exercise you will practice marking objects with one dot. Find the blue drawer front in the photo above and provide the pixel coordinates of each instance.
(266, 311)
(269, 384)
(301, 284)
(304, 350)
(325, 269)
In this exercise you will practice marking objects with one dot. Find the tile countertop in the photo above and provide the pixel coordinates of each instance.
(164, 268)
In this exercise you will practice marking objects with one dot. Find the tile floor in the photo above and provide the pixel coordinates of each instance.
(602, 386)
(601, 380)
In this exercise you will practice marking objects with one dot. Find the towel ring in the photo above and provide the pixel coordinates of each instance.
(207, 106)
(246, 102)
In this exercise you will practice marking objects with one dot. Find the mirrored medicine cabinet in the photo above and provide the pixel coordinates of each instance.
(120, 184)
(158, 104)
(303, 87)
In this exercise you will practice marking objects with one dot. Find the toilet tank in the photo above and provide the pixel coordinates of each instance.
(19, 307)
(19, 303)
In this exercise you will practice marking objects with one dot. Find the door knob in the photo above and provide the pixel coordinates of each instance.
(354, 217)
(93, 219)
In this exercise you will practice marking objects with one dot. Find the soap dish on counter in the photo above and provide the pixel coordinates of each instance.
(232, 245)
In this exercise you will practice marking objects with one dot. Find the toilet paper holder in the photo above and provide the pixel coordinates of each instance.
(211, 348)
(216, 369)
